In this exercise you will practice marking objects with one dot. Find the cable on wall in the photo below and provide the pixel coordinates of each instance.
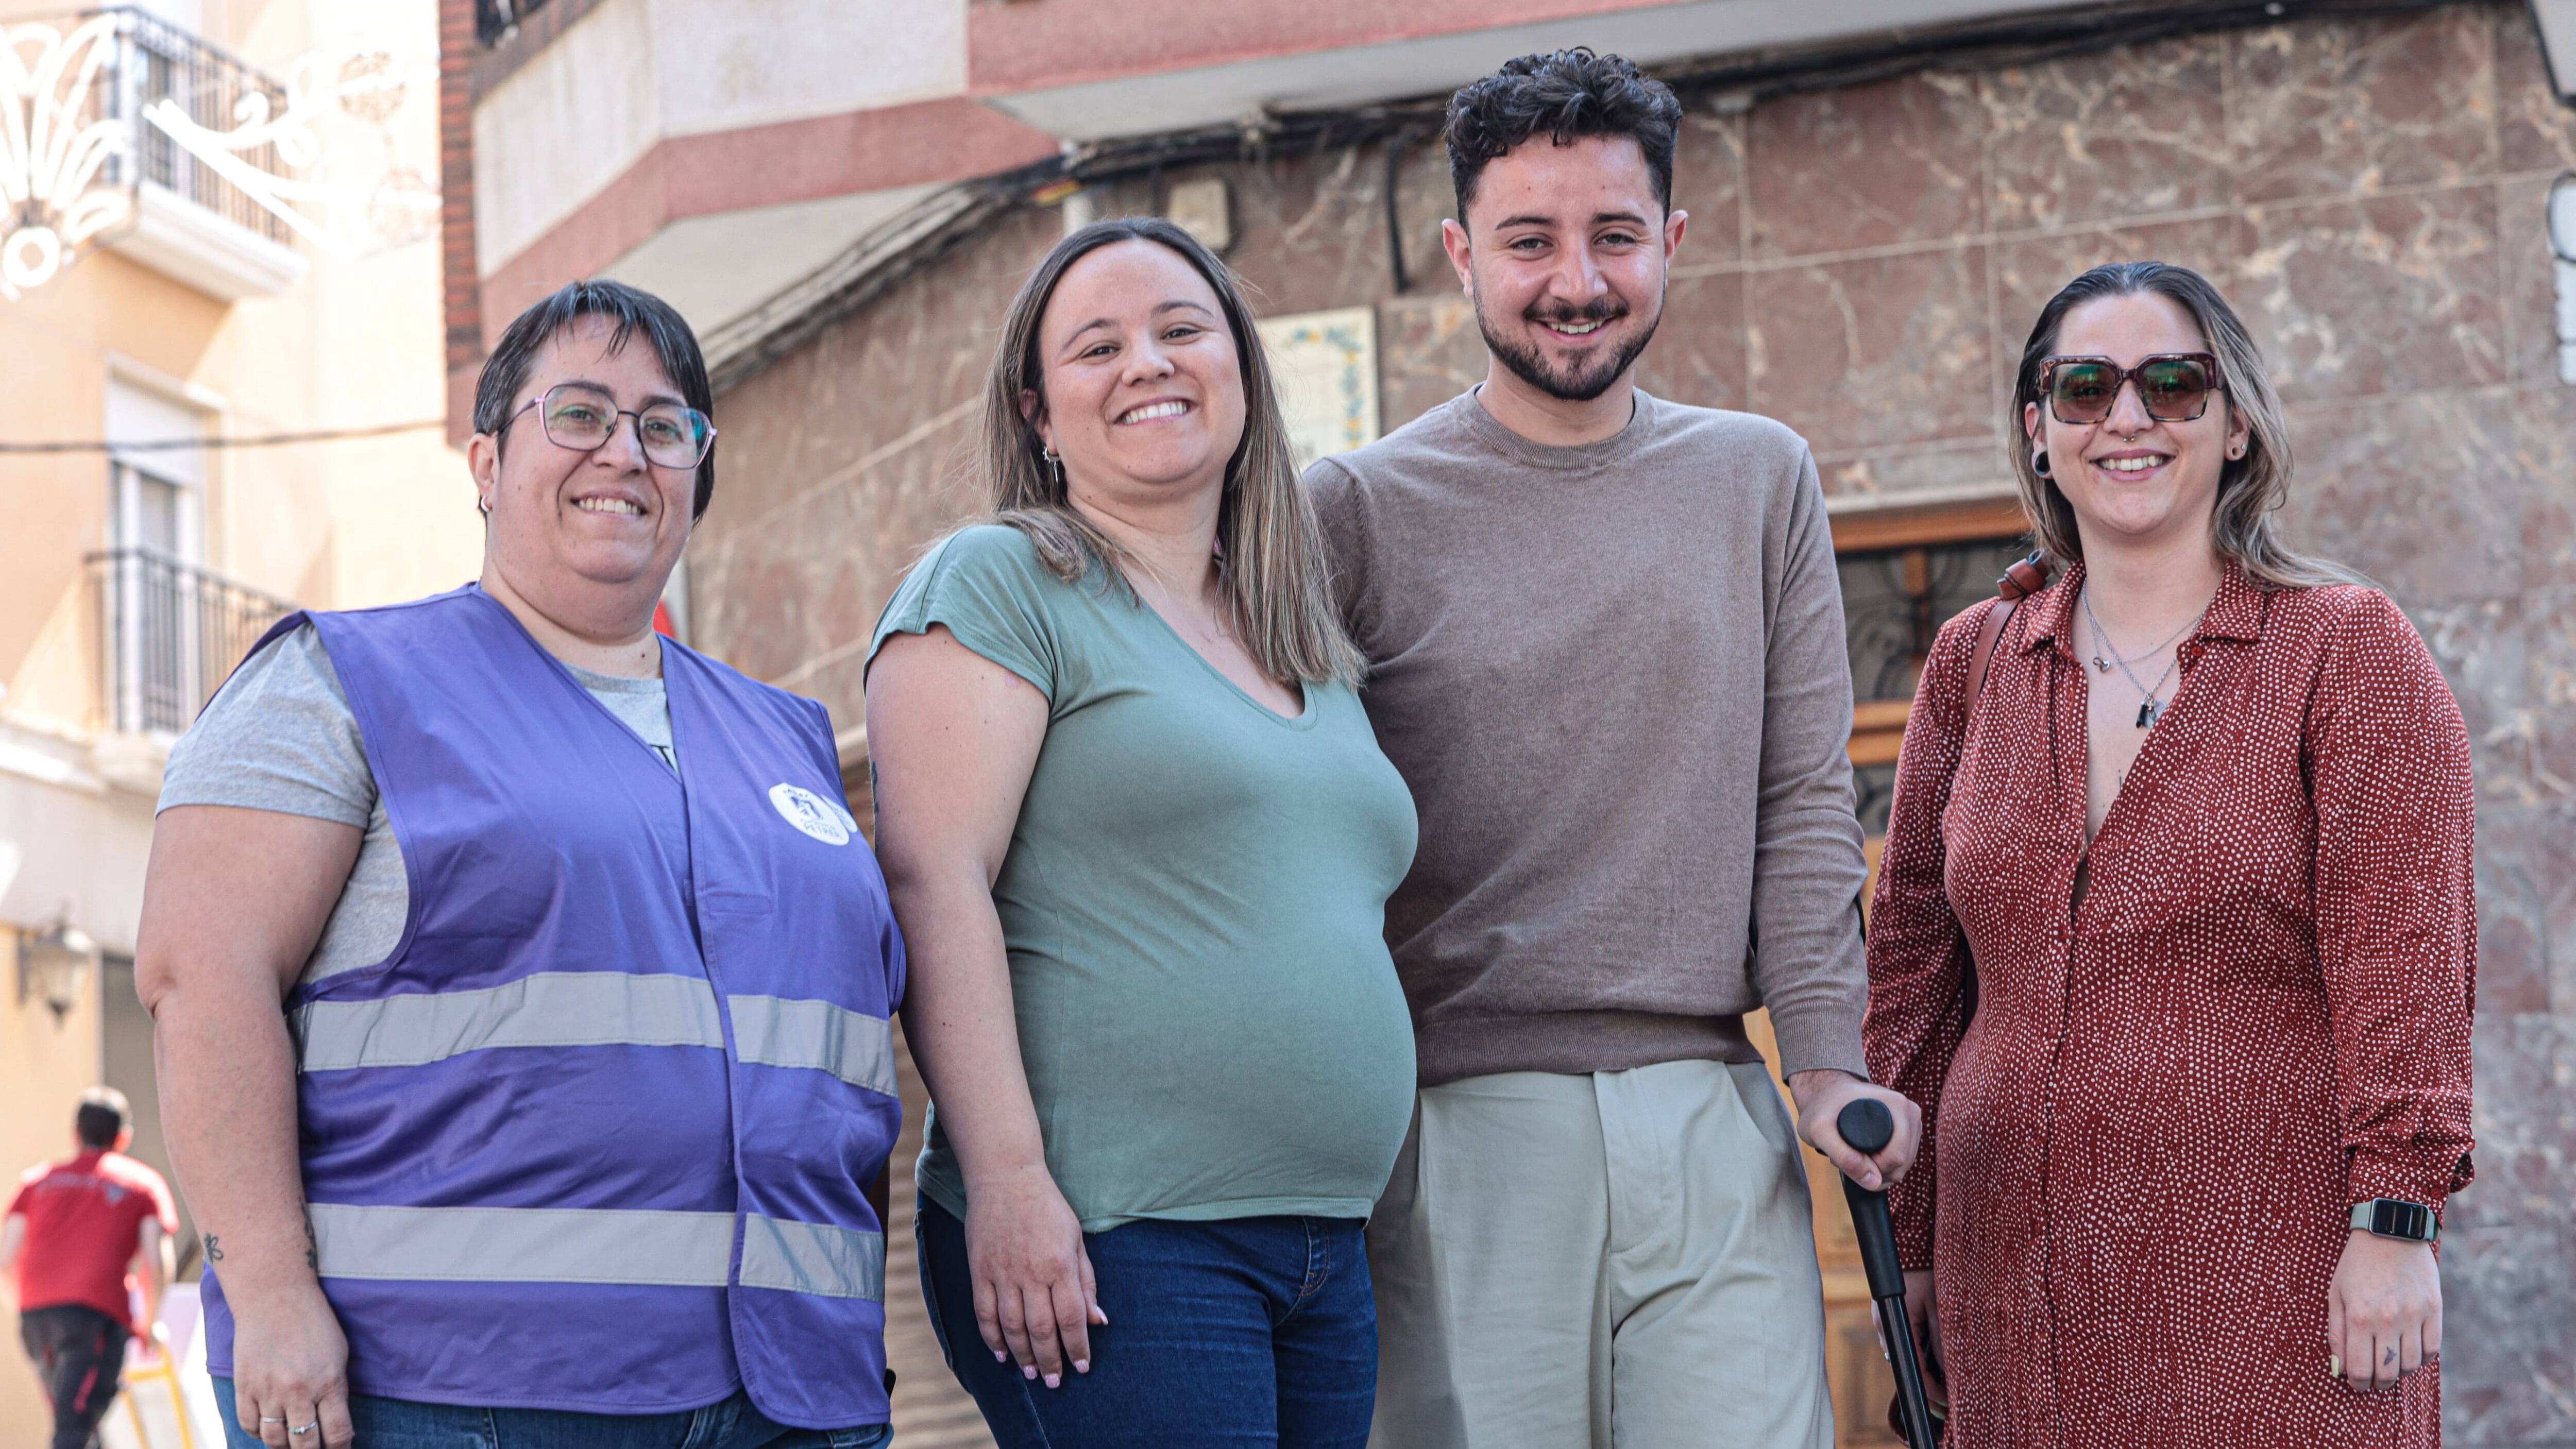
(247, 440)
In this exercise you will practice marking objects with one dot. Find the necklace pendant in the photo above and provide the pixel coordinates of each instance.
(2147, 712)
(2101, 665)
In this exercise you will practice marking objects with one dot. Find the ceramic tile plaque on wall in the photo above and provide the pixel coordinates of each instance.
(1326, 364)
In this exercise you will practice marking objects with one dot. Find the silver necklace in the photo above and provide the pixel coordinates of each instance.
(2150, 707)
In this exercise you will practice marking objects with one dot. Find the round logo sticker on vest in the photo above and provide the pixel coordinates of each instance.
(812, 814)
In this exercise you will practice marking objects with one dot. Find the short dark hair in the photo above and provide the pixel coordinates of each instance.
(102, 1117)
(1569, 94)
(632, 309)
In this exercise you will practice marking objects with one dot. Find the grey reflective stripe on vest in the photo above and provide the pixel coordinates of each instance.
(555, 1008)
(777, 1032)
(594, 1245)
(523, 1245)
(812, 1258)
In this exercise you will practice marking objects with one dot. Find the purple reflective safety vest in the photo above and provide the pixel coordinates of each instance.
(596, 1135)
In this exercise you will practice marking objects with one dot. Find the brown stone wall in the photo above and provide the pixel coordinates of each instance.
(1864, 263)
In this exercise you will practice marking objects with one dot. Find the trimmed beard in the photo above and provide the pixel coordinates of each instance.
(1531, 366)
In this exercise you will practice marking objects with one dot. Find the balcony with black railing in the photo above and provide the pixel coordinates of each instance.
(169, 633)
(156, 61)
(186, 218)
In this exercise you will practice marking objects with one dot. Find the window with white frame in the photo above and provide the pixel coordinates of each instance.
(154, 664)
(156, 492)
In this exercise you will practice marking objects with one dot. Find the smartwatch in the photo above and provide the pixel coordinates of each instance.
(2389, 1217)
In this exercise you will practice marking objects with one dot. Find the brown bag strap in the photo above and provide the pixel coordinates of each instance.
(2019, 582)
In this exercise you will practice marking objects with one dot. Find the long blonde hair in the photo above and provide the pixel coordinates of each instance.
(1272, 571)
(2251, 489)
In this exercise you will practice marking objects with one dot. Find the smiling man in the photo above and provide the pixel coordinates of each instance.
(1606, 640)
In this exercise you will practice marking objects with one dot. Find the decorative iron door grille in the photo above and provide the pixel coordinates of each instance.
(1894, 601)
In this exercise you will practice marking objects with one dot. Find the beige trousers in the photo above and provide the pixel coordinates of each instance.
(1616, 1261)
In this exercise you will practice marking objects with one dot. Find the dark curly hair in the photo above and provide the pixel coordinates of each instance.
(1569, 94)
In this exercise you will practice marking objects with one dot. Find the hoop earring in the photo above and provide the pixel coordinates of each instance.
(2039, 464)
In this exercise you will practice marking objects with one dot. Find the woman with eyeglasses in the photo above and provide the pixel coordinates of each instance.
(2175, 936)
(521, 984)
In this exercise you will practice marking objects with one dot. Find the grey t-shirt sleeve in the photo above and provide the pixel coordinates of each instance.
(278, 736)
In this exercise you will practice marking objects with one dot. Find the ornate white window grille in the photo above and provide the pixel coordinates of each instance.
(124, 99)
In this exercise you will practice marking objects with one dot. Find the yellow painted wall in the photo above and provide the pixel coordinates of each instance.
(356, 342)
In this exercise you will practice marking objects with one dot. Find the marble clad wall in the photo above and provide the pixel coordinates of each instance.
(1864, 264)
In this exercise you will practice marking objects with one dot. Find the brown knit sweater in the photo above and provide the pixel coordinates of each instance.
(1615, 678)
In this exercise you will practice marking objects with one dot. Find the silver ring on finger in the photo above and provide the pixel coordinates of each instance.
(265, 1419)
(307, 1429)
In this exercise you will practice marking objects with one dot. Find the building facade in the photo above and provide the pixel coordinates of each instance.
(1881, 197)
(160, 327)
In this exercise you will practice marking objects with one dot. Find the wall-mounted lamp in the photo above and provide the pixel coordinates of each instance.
(54, 964)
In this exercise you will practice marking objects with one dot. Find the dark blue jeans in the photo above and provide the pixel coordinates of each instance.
(404, 1424)
(1251, 1332)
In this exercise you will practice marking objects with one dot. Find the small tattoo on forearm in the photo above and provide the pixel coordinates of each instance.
(214, 1248)
(312, 1244)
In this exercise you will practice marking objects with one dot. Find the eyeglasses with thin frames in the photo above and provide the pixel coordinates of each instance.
(583, 418)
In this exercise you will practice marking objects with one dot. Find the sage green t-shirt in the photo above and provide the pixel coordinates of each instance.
(1194, 902)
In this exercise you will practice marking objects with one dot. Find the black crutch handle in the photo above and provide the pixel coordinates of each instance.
(1867, 1126)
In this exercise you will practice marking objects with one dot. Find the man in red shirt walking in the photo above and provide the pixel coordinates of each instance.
(70, 1236)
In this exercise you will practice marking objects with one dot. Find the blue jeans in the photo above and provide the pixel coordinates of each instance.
(403, 1424)
(1250, 1332)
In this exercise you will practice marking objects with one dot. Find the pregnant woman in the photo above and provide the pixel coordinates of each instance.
(1140, 838)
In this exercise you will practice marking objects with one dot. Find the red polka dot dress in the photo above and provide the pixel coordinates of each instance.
(2143, 1147)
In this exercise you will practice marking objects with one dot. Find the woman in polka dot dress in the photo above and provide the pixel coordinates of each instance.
(2174, 937)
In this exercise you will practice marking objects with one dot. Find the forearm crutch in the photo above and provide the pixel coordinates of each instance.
(1868, 1127)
